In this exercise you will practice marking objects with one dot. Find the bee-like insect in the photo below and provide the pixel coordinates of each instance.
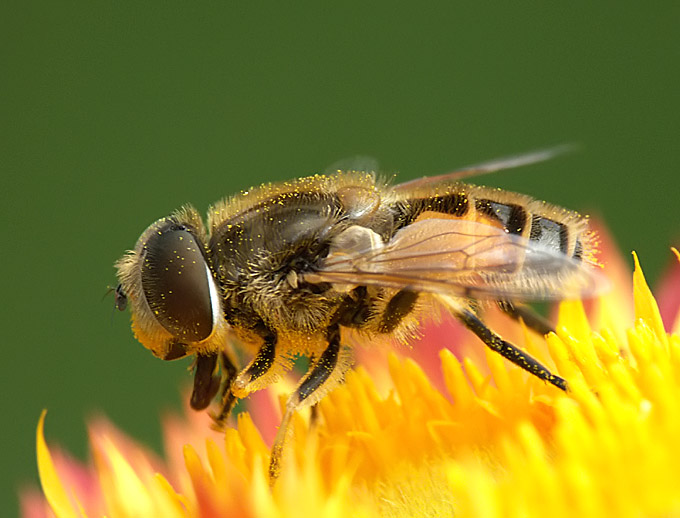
(292, 269)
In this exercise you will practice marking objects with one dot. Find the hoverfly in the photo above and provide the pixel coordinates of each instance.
(288, 269)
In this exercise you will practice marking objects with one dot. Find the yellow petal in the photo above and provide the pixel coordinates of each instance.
(126, 486)
(49, 478)
(646, 308)
(179, 503)
(675, 251)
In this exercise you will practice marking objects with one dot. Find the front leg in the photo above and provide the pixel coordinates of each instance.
(250, 379)
(206, 381)
(256, 375)
(227, 400)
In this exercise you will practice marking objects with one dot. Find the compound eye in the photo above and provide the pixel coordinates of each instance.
(178, 284)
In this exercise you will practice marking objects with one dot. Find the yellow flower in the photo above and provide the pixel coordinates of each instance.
(480, 438)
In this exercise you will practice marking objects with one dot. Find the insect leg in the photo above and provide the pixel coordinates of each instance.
(306, 392)
(263, 361)
(396, 309)
(532, 319)
(507, 350)
(357, 309)
(206, 381)
(227, 400)
(249, 379)
(314, 409)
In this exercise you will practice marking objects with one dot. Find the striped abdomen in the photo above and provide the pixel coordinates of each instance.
(553, 227)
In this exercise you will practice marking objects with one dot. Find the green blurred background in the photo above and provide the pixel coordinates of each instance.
(113, 115)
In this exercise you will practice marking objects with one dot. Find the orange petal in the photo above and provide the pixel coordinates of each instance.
(668, 294)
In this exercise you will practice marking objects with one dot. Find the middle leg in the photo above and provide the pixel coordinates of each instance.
(324, 373)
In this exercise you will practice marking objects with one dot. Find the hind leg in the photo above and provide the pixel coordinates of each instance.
(532, 319)
(507, 350)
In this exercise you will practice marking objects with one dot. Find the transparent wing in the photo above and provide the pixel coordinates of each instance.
(363, 163)
(492, 166)
(463, 258)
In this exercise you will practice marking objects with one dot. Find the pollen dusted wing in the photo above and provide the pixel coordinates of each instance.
(464, 258)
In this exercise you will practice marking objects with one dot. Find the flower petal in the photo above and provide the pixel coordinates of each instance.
(668, 294)
(56, 495)
(646, 308)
